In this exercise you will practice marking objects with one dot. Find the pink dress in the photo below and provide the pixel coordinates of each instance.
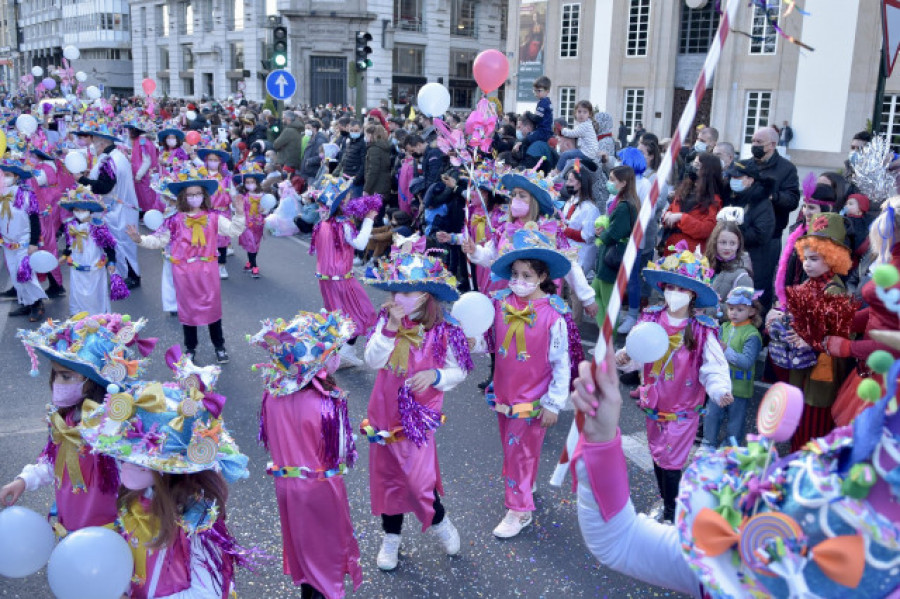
(253, 234)
(195, 272)
(334, 269)
(147, 199)
(50, 213)
(317, 534)
(478, 232)
(221, 205)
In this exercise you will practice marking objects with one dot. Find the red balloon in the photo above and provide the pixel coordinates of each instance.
(149, 85)
(491, 68)
(192, 137)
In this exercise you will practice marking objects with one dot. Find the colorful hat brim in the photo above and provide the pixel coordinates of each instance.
(162, 135)
(545, 203)
(204, 152)
(90, 205)
(210, 185)
(83, 368)
(558, 265)
(440, 290)
(706, 296)
(17, 171)
(98, 134)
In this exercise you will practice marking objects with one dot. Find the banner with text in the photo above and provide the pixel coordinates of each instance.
(532, 37)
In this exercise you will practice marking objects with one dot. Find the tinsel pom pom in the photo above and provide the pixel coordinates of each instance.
(24, 273)
(118, 290)
(361, 206)
(417, 420)
(817, 315)
(103, 237)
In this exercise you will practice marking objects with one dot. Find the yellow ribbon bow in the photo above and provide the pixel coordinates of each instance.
(254, 206)
(78, 238)
(70, 443)
(121, 406)
(675, 342)
(140, 527)
(196, 223)
(517, 319)
(479, 221)
(406, 338)
(5, 209)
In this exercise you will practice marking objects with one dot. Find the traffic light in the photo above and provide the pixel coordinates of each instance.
(279, 47)
(363, 50)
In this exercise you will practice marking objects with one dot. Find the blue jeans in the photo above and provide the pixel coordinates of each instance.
(736, 413)
(635, 281)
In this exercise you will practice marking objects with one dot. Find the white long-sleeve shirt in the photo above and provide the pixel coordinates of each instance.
(37, 475)
(359, 240)
(587, 138)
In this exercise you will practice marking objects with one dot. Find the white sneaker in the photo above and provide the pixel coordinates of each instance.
(357, 261)
(389, 553)
(627, 324)
(348, 356)
(448, 536)
(229, 251)
(223, 272)
(512, 524)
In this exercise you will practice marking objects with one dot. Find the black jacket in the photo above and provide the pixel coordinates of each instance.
(785, 189)
(455, 218)
(354, 161)
(378, 169)
(759, 223)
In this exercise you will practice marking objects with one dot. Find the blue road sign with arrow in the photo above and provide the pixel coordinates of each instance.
(281, 85)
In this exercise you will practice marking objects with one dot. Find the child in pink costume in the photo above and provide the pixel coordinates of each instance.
(304, 424)
(419, 352)
(171, 154)
(144, 162)
(534, 333)
(248, 182)
(334, 238)
(86, 484)
(215, 162)
(692, 367)
(48, 191)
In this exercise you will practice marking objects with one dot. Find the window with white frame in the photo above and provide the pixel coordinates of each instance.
(567, 103)
(763, 37)
(638, 28)
(890, 118)
(756, 113)
(568, 30)
(408, 15)
(698, 28)
(163, 18)
(634, 108)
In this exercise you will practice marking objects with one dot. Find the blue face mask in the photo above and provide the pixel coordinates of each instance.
(355, 135)
(519, 135)
(737, 185)
(700, 146)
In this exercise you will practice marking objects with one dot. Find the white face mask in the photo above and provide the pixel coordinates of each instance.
(522, 288)
(676, 300)
(82, 215)
(250, 185)
(171, 142)
(9, 181)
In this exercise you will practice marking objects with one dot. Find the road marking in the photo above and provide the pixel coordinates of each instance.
(25, 431)
(637, 451)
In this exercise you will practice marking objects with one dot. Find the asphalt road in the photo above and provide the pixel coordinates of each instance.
(547, 560)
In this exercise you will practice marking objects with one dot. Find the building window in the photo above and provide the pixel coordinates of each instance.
(164, 59)
(408, 15)
(271, 7)
(237, 56)
(462, 87)
(205, 14)
(698, 28)
(634, 108)
(461, 63)
(164, 86)
(462, 20)
(163, 17)
(567, 103)
(764, 38)
(409, 60)
(638, 28)
(187, 18)
(504, 19)
(568, 30)
(756, 114)
(188, 85)
(236, 15)
(187, 59)
(890, 118)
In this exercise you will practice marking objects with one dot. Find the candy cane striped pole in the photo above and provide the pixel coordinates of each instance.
(647, 209)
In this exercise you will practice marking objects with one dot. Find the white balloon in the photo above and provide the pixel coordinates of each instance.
(191, 115)
(268, 202)
(71, 53)
(43, 262)
(475, 313)
(91, 562)
(647, 342)
(153, 219)
(76, 162)
(81, 76)
(92, 92)
(26, 541)
(37, 71)
(26, 124)
(433, 99)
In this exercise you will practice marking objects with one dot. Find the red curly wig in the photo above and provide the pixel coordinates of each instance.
(836, 256)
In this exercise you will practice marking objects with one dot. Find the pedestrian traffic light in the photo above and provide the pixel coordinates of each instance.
(279, 47)
(363, 50)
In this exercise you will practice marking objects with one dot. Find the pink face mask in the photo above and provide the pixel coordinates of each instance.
(195, 201)
(66, 395)
(518, 208)
(332, 363)
(409, 304)
(135, 477)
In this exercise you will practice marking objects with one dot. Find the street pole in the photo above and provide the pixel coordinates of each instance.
(879, 91)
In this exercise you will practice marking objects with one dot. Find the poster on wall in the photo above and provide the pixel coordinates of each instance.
(532, 37)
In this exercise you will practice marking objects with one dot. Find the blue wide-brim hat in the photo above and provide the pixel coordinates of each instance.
(17, 168)
(333, 195)
(239, 179)
(41, 154)
(98, 132)
(210, 185)
(89, 205)
(706, 296)
(222, 154)
(541, 195)
(162, 135)
(531, 244)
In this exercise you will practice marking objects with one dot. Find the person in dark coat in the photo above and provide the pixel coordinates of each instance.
(353, 162)
(311, 163)
(430, 163)
(752, 192)
(378, 164)
(289, 143)
(623, 134)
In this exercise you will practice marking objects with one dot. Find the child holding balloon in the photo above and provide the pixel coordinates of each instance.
(88, 356)
(690, 365)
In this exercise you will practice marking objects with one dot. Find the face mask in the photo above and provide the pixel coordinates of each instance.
(409, 304)
(519, 135)
(333, 363)
(355, 135)
(9, 181)
(82, 215)
(522, 288)
(853, 157)
(134, 477)
(570, 189)
(308, 133)
(518, 208)
(248, 130)
(194, 201)
(758, 152)
(700, 146)
(737, 185)
(213, 166)
(611, 188)
(676, 300)
(250, 185)
(66, 395)
(171, 142)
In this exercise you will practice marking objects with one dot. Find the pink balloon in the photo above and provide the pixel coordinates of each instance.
(148, 85)
(192, 138)
(491, 68)
(49, 83)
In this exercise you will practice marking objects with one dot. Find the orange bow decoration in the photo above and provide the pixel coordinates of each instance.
(196, 223)
(212, 432)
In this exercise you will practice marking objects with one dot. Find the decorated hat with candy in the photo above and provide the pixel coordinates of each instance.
(299, 348)
(187, 175)
(685, 269)
(333, 194)
(17, 167)
(251, 170)
(166, 427)
(134, 118)
(411, 267)
(96, 124)
(105, 348)
(81, 198)
(540, 188)
(528, 243)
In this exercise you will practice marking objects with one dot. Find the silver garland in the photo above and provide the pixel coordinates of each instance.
(870, 171)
